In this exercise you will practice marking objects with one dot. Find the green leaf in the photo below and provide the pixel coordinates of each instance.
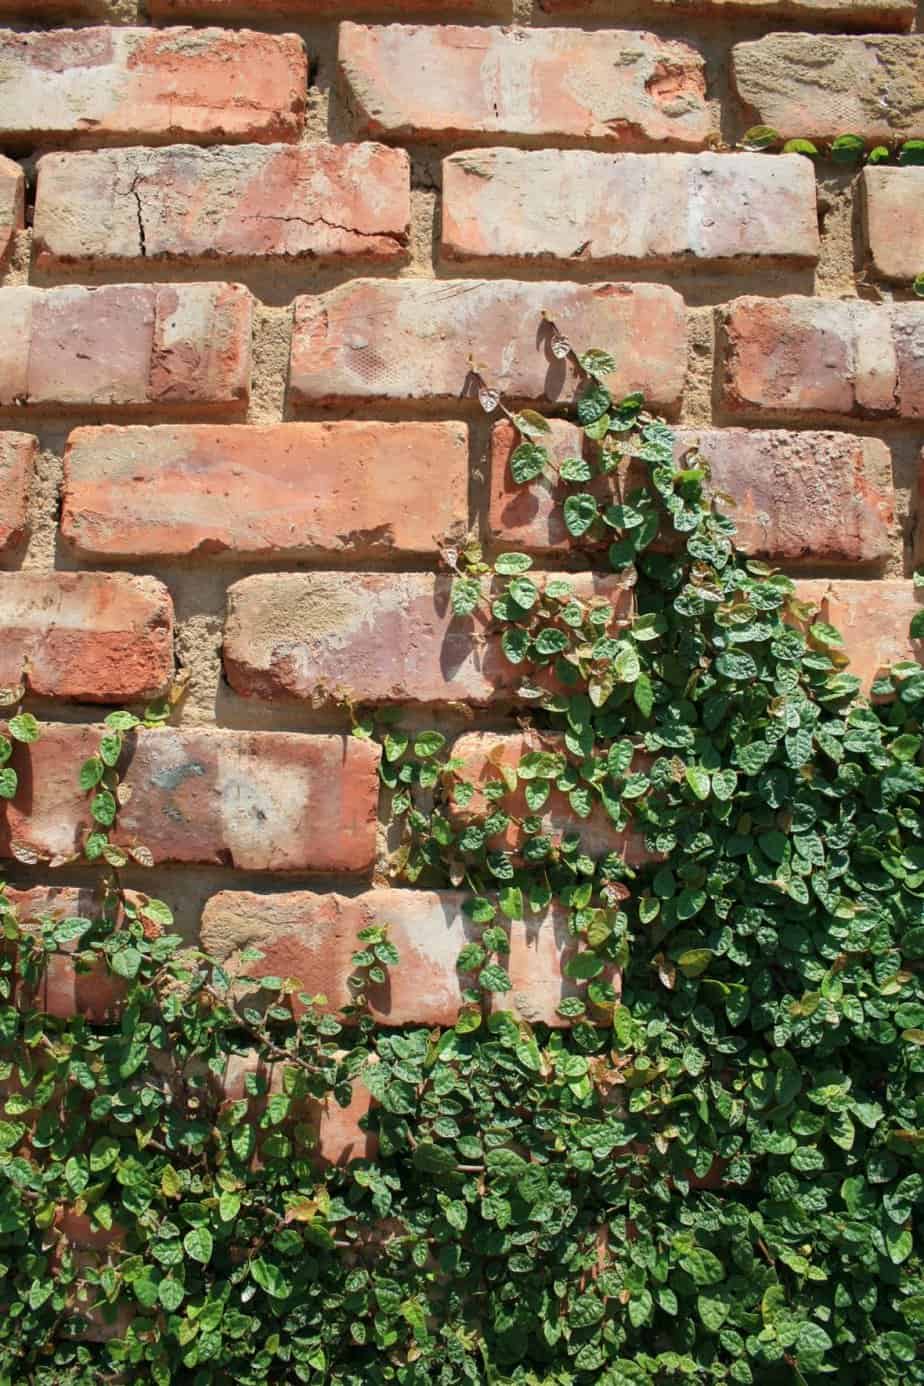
(24, 728)
(918, 286)
(9, 782)
(800, 146)
(531, 424)
(703, 1267)
(579, 511)
(847, 149)
(103, 808)
(698, 780)
(593, 403)
(199, 1245)
(509, 564)
(598, 364)
(171, 1293)
(494, 978)
(527, 462)
(760, 137)
(466, 594)
(270, 1278)
(126, 962)
(428, 743)
(575, 469)
(911, 152)
(524, 592)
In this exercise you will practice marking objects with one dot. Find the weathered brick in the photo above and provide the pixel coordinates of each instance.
(548, 206)
(873, 618)
(482, 753)
(378, 637)
(613, 88)
(820, 85)
(176, 348)
(93, 637)
(812, 497)
(788, 357)
(845, 14)
(297, 490)
(63, 991)
(127, 207)
(321, 9)
(893, 221)
(12, 202)
(312, 937)
(338, 1136)
(116, 86)
(412, 340)
(17, 456)
(260, 801)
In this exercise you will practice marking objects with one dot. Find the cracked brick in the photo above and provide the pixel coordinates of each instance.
(239, 203)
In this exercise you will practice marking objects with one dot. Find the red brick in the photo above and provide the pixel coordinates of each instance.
(118, 86)
(318, 9)
(312, 937)
(613, 88)
(12, 202)
(556, 206)
(64, 992)
(297, 490)
(873, 618)
(93, 637)
(819, 86)
(336, 1130)
(412, 340)
(41, 11)
(176, 348)
(482, 753)
(129, 207)
(844, 14)
(893, 221)
(788, 357)
(812, 497)
(376, 637)
(17, 456)
(259, 801)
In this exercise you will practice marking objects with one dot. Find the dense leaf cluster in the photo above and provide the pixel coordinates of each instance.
(713, 1174)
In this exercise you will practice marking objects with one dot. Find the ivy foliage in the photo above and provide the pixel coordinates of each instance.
(711, 1173)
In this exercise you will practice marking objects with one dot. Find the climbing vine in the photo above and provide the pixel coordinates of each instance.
(710, 1171)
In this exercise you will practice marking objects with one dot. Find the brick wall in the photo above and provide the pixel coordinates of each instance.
(247, 248)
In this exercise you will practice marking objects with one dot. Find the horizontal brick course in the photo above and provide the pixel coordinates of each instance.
(412, 340)
(105, 85)
(92, 637)
(893, 221)
(799, 497)
(613, 88)
(312, 937)
(844, 14)
(322, 9)
(12, 202)
(873, 618)
(375, 637)
(579, 207)
(17, 457)
(482, 753)
(298, 490)
(173, 348)
(792, 357)
(239, 203)
(819, 86)
(259, 801)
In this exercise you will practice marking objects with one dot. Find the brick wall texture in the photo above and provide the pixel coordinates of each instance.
(248, 252)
